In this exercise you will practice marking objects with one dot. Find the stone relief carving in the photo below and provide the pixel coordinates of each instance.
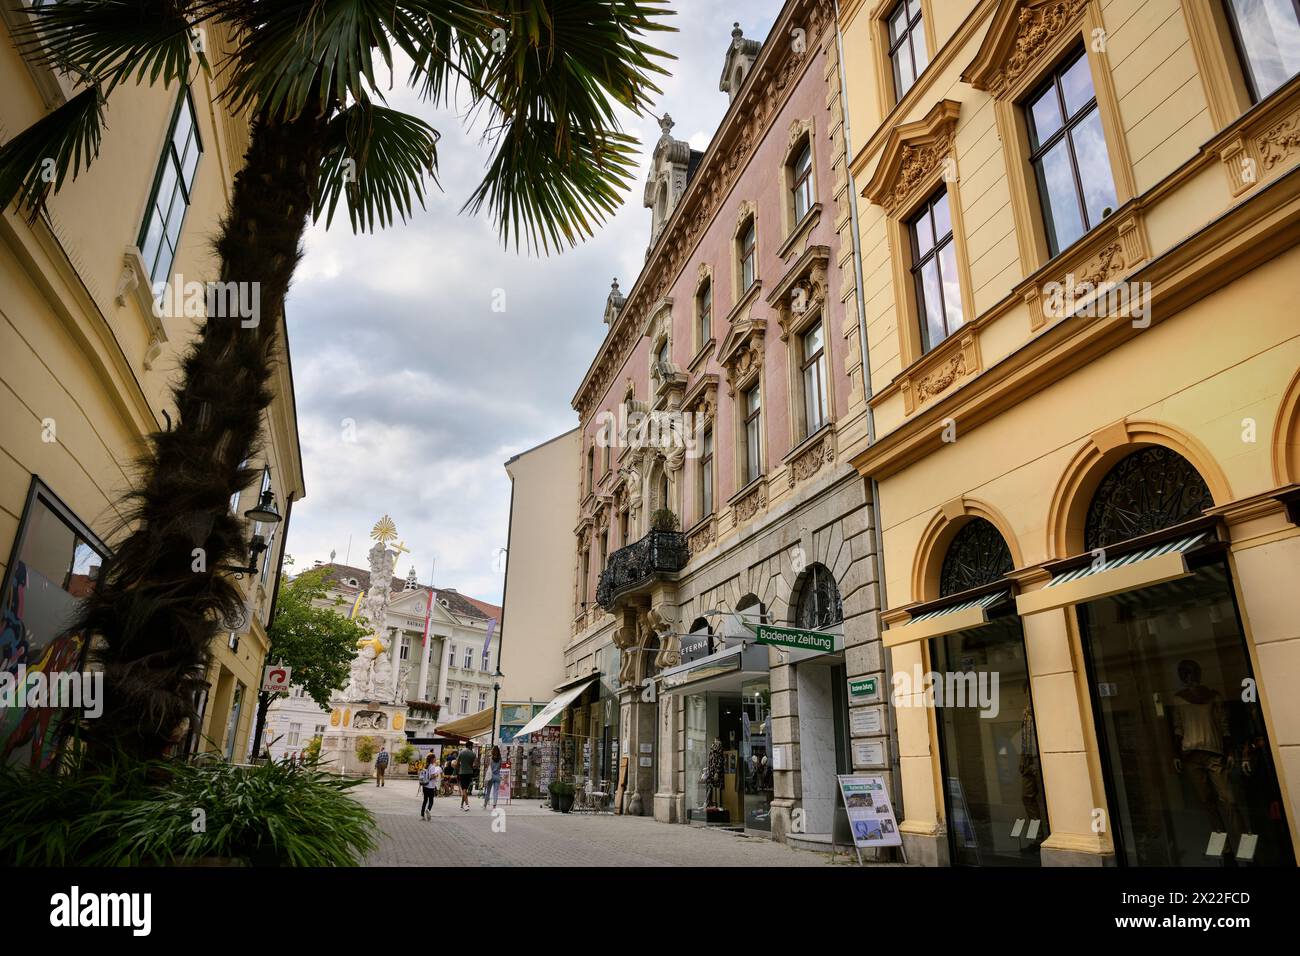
(752, 503)
(809, 462)
(1279, 141)
(1036, 28)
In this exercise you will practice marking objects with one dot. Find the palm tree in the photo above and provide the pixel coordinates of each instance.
(545, 75)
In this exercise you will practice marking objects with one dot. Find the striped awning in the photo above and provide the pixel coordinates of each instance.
(945, 620)
(1127, 572)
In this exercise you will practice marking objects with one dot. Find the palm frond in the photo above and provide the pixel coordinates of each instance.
(38, 159)
(113, 41)
(550, 87)
(551, 200)
(378, 158)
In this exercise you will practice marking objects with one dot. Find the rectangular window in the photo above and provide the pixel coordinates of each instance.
(814, 380)
(404, 650)
(232, 641)
(319, 730)
(295, 734)
(469, 658)
(934, 271)
(451, 656)
(802, 187)
(706, 474)
(591, 469)
(586, 574)
(234, 499)
(1068, 152)
(753, 434)
(161, 231)
(624, 528)
(464, 701)
(604, 550)
(487, 654)
(748, 241)
(907, 51)
(482, 700)
(1268, 38)
(704, 312)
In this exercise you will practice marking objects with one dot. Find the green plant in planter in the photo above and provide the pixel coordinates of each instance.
(126, 812)
(406, 753)
(663, 519)
(366, 749)
(561, 788)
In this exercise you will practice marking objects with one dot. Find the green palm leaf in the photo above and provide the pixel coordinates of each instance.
(39, 158)
(378, 158)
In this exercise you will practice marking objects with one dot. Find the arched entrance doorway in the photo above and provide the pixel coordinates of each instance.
(988, 744)
(1188, 770)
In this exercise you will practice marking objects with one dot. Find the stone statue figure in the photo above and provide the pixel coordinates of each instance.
(371, 674)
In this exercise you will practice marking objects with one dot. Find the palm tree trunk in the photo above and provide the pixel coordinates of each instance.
(160, 601)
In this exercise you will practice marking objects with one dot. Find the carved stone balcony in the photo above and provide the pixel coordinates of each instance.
(633, 569)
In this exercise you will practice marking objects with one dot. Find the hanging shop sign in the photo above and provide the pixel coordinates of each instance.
(870, 811)
(695, 646)
(799, 638)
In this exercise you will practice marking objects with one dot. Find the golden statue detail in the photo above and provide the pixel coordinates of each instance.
(384, 530)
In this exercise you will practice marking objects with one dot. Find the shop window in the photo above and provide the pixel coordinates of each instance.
(816, 410)
(908, 56)
(819, 603)
(232, 722)
(173, 183)
(1267, 33)
(1068, 153)
(994, 802)
(1149, 490)
(976, 556)
(54, 565)
(934, 271)
(1189, 773)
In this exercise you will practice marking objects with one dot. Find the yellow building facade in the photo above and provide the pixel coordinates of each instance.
(1078, 224)
(89, 361)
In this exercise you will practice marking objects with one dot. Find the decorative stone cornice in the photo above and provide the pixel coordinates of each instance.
(802, 289)
(702, 398)
(912, 154)
(742, 350)
(702, 536)
(947, 364)
(1020, 32)
(750, 501)
(749, 118)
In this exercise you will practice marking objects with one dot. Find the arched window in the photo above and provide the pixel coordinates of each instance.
(819, 603)
(751, 609)
(1149, 490)
(701, 626)
(976, 556)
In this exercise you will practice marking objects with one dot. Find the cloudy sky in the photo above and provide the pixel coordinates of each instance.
(412, 391)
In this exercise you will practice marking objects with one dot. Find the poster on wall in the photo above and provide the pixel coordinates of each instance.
(870, 811)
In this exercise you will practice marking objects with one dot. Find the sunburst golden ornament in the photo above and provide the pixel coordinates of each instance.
(384, 530)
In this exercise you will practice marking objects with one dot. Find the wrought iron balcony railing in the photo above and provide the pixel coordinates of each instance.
(659, 552)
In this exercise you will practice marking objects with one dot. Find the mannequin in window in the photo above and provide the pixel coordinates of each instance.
(1029, 789)
(712, 776)
(1202, 747)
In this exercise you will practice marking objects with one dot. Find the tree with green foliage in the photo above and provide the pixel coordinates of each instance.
(545, 78)
(316, 641)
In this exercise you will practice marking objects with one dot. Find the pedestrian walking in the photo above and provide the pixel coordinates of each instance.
(381, 764)
(449, 773)
(466, 765)
(493, 785)
(430, 777)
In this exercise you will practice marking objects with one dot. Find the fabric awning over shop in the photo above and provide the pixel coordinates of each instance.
(547, 713)
(945, 620)
(475, 725)
(1157, 564)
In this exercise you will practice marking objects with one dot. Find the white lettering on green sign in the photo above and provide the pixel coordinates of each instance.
(796, 637)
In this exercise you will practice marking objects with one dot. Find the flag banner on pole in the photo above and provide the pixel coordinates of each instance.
(487, 641)
(428, 614)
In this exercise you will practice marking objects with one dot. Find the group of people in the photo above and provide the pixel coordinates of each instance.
(462, 766)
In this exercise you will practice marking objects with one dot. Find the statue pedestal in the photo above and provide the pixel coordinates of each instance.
(349, 722)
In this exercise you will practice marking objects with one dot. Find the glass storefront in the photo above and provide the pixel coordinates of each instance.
(993, 782)
(756, 753)
(1190, 776)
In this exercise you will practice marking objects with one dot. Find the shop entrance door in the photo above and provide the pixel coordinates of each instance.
(1188, 770)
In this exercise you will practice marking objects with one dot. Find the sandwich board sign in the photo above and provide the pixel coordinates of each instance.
(870, 811)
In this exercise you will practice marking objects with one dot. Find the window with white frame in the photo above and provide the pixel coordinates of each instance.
(464, 701)
(812, 346)
(161, 231)
(753, 430)
(469, 658)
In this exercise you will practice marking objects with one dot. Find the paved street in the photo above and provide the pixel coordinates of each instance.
(532, 836)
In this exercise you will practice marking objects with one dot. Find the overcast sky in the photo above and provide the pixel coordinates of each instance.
(395, 333)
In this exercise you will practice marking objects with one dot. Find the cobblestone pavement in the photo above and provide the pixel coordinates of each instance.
(527, 835)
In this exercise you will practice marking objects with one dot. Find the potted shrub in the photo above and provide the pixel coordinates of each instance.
(663, 520)
(561, 795)
(406, 754)
(366, 750)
